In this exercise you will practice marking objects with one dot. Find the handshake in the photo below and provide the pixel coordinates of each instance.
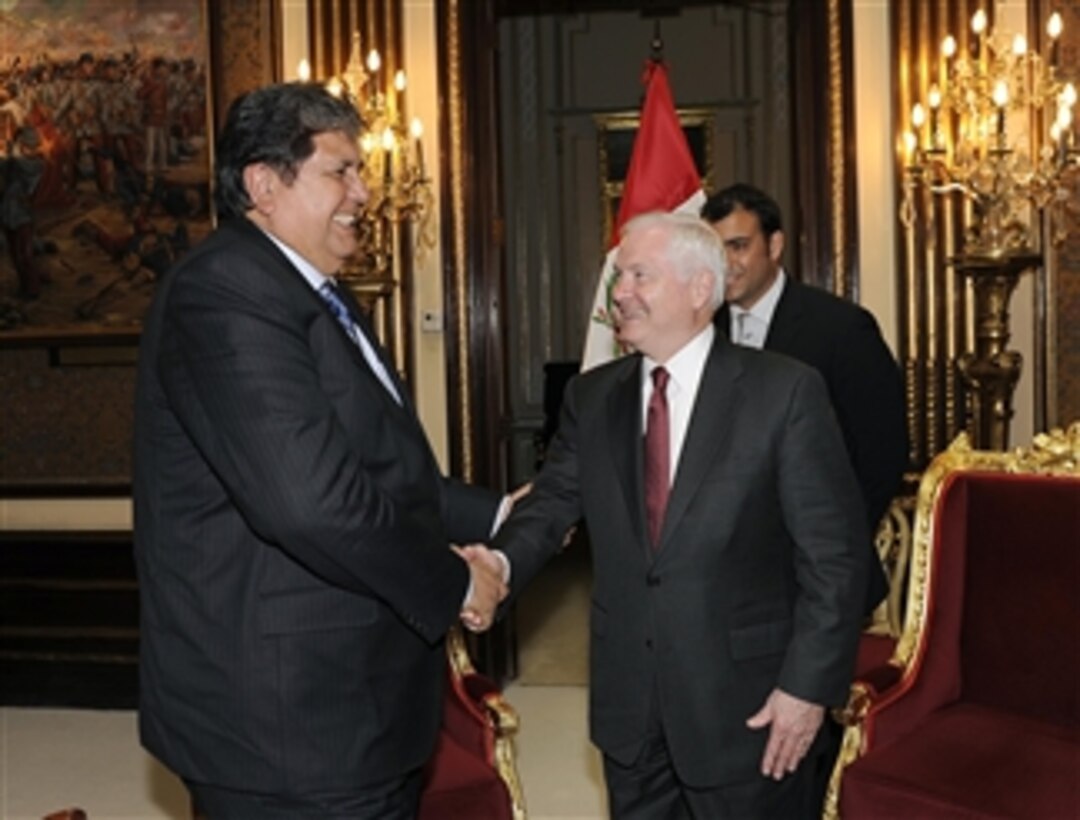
(489, 573)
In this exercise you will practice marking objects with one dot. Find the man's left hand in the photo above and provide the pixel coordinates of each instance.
(793, 725)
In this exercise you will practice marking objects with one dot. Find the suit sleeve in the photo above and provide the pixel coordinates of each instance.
(535, 529)
(240, 374)
(819, 499)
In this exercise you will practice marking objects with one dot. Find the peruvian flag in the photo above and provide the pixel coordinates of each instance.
(661, 177)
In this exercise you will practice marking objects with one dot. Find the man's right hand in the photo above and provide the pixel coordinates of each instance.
(487, 586)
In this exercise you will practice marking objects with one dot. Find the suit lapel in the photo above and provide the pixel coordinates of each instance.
(626, 442)
(717, 402)
(787, 318)
(361, 320)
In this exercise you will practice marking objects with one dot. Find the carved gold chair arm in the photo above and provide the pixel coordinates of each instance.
(500, 715)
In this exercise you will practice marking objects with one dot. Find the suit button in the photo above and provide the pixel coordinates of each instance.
(652, 580)
(648, 643)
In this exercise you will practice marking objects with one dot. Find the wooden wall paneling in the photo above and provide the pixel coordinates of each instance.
(934, 304)
(825, 222)
(472, 238)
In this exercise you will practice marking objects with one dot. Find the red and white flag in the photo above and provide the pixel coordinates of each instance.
(661, 177)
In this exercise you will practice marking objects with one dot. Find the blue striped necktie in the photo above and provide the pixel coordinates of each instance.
(328, 291)
(333, 300)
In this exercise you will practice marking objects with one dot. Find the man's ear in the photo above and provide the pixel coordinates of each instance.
(701, 289)
(260, 182)
(776, 246)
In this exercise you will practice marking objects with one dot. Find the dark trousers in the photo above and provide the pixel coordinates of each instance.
(395, 799)
(650, 789)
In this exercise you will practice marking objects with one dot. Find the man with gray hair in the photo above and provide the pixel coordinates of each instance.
(728, 547)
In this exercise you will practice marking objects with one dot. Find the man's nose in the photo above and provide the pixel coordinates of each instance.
(622, 287)
(358, 191)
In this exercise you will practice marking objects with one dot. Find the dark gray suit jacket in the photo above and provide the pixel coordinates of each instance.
(292, 536)
(843, 343)
(760, 575)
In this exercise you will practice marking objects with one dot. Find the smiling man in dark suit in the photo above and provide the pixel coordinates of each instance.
(727, 541)
(292, 528)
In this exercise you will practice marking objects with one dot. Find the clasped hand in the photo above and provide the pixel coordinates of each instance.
(488, 587)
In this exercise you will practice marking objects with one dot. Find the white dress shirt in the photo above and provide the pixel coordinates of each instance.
(684, 371)
(749, 328)
(317, 279)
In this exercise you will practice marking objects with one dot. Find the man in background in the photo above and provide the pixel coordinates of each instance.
(766, 309)
(292, 529)
(727, 541)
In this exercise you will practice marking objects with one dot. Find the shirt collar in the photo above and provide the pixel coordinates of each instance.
(764, 308)
(313, 275)
(686, 365)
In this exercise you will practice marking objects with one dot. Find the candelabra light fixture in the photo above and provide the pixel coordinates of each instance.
(995, 131)
(393, 170)
(997, 128)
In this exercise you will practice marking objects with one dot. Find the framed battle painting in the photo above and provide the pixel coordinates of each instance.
(105, 158)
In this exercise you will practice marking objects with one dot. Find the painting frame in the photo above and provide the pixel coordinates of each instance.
(124, 115)
(615, 141)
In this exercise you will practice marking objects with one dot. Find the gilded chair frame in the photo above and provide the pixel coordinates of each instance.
(1053, 453)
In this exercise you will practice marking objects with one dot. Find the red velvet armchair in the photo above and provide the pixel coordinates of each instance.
(472, 774)
(977, 713)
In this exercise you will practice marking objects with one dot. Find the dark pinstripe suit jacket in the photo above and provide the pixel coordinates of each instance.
(842, 341)
(760, 574)
(291, 535)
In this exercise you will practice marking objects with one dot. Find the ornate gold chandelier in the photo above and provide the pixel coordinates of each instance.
(996, 128)
(990, 148)
(393, 164)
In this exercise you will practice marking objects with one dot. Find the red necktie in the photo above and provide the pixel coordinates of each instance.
(657, 456)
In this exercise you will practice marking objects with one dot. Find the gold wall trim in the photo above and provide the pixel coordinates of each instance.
(459, 282)
(838, 147)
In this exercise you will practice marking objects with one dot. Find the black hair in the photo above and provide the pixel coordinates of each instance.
(748, 198)
(275, 125)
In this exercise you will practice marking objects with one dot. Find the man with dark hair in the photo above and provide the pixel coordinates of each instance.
(765, 308)
(726, 540)
(292, 528)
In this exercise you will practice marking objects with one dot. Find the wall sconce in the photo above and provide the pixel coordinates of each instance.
(393, 163)
(997, 130)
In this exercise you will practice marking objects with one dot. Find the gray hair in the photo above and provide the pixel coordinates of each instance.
(692, 246)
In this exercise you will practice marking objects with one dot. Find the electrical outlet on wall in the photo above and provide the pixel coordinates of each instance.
(431, 321)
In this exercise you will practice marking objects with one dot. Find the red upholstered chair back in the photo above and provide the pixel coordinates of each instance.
(977, 713)
(1019, 648)
(997, 628)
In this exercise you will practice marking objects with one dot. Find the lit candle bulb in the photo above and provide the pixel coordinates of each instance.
(374, 61)
(918, 119)
(978, 28)
(1064, 123)
(1019, 45)
(1054, 27)
(1068, 94)
(978, 23)
(303, 70)
(911, 146)
(1001, 99)
(334, 86)
(948, 47)
(399, 81)
(933, 99)
(918, 115)
(416, 128)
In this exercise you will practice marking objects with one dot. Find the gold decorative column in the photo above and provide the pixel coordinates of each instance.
(991, 371)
